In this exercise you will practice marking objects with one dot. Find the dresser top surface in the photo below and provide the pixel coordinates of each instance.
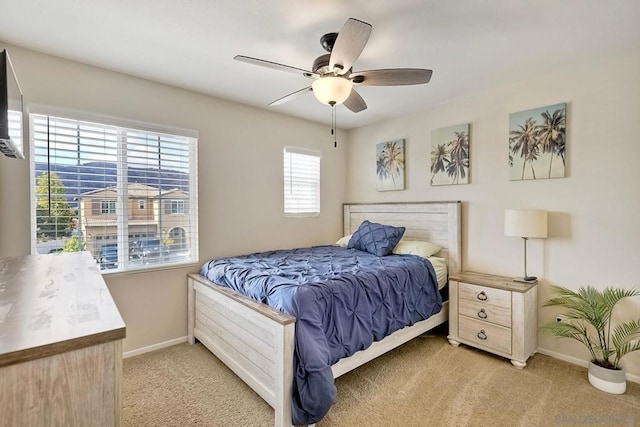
(54, 303)
(492, 281)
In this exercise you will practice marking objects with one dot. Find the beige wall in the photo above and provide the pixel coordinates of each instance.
(594, 225)
(240, 178)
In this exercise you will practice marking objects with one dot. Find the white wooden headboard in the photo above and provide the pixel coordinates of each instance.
(437, 222)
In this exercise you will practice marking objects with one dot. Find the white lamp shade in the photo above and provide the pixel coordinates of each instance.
(332, 90)
(525, 223)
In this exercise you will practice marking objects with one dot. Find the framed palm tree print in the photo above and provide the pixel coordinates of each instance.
(537, 143)
(450, 155)
(390, 165)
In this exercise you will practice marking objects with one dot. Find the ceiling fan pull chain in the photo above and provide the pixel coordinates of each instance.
(333, 126)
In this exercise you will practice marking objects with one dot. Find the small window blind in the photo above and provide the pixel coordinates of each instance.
(101, 188)
(301, 182)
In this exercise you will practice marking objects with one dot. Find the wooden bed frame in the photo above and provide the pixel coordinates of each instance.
(257, 341)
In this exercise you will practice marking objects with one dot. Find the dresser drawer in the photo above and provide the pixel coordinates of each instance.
(497, 297)
(486, 334)
(479, 310)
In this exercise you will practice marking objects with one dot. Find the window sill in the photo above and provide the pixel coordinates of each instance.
(116, 273)
(302, 215)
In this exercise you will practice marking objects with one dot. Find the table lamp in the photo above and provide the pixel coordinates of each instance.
(528, 224)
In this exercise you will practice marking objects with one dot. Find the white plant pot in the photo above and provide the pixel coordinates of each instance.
(609, 380)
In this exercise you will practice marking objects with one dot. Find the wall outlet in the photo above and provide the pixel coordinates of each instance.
(561, 318)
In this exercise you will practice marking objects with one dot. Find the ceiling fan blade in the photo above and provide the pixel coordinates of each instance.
(392, 77)
(291, 96)
(273, 65)
(355, 102)
(349, 45)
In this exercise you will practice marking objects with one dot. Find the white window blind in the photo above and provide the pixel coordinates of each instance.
(14, 119)
(106, 189)
(301, 182)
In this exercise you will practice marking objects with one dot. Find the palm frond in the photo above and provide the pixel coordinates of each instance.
(590, 293)
(562, 329)
(570, 330)
(559, 290)
(580, 309)
(625, 333)
(624, 350)
(611, 296)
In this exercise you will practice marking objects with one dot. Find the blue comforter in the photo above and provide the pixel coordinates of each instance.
(343, 300)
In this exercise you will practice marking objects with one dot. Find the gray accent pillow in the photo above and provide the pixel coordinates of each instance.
(377, 239)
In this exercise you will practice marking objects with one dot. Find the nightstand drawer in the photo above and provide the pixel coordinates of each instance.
(481, 311)
(497, 297)
(486, 334)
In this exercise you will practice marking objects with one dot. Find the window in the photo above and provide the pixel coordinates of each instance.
(178, 207)
(87, 177)
(107, 207)
(301, 182)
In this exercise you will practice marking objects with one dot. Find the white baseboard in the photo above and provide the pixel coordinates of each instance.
(580, 362)
(153, 347)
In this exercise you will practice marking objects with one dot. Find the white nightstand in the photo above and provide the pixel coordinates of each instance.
(495, 314)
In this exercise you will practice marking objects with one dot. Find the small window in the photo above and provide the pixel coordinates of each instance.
(107, 207)
(141, 204)
(177, 207)
(301, 182)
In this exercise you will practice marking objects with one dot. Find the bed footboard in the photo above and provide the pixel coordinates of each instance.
(255, 341)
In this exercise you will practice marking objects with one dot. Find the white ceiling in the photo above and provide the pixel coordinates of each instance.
(469, 44)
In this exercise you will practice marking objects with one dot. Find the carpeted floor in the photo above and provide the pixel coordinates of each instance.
(425, 382)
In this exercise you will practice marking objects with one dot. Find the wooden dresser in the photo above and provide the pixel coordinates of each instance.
(495, 314)
(60, 343)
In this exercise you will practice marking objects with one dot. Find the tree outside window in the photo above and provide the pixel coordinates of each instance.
(54, 217)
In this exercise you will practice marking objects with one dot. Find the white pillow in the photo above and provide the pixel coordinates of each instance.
(416, 247)
(440, 267)
(344, 241)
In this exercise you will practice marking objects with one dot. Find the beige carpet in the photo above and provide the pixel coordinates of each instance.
(426, 382)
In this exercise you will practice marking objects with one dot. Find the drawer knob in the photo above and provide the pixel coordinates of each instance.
(482, 314)
(482, 296)
(482, 335)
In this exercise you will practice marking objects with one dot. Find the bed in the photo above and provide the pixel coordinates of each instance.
(257, 341)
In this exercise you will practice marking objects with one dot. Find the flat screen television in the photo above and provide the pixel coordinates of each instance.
(11, 144)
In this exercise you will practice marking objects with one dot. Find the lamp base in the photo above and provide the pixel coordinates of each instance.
(526, 279)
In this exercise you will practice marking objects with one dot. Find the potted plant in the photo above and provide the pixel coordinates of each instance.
(588, 320)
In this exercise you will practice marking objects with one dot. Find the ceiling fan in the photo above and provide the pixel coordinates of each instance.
(333, 75)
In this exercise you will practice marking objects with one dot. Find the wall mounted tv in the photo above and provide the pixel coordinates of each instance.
(10, 110)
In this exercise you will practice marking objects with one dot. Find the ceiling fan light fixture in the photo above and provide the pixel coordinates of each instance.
(332, 90)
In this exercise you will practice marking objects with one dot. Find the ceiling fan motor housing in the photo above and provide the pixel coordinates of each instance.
(321, 64)
(328, 40)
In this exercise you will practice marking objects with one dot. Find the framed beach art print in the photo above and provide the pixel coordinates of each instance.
(390, 165)
(450, 155)
(537, 143)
